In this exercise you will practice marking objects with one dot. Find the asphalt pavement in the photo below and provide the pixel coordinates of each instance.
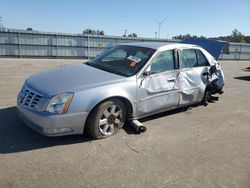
(199, 147)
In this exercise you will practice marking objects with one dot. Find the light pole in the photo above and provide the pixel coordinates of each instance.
(0, 21)
(125, 33)
(159, 26)
(155, 34)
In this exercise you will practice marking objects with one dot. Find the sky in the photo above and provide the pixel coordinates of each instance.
(209, 18)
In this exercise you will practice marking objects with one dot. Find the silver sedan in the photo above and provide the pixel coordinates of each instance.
(126, 82)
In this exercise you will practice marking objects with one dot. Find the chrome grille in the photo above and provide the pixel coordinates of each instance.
(29, 98)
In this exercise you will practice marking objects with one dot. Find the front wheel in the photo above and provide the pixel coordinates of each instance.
(106, 119)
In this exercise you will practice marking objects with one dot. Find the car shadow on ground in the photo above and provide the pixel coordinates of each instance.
(15, 136)
(247, 69)
(130, 130)
(245, 78)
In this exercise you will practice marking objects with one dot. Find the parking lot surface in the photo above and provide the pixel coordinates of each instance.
(199, 147)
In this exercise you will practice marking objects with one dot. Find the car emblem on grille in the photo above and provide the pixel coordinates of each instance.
(22, 94)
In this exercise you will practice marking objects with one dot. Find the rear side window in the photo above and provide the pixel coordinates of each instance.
(164, 61)
(202, 60)
(192, 58)
(187, 58)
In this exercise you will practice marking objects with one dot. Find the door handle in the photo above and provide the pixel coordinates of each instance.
(171, 80)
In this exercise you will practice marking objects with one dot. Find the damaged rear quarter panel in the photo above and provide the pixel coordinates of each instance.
(173, 89)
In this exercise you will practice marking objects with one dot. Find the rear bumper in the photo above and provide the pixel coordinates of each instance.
(53, 124)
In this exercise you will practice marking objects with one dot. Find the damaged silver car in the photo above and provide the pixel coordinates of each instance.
(126, 82)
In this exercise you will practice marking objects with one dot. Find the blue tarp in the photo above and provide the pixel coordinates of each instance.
(214, 47)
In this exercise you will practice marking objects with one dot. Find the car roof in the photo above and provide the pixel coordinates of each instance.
(158, 45)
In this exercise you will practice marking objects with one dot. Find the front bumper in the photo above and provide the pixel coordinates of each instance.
(53, 124)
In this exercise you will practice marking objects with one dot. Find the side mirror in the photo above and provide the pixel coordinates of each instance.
(146, 73)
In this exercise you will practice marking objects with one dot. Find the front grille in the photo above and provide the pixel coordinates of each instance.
(29, 98)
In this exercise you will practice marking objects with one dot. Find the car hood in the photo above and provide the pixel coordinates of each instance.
(70, 78)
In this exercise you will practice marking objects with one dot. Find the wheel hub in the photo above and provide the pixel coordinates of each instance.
(111, 119)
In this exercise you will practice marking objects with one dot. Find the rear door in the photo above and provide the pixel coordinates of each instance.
(192, 65)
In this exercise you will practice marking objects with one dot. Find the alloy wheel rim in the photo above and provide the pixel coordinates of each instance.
(111, 119)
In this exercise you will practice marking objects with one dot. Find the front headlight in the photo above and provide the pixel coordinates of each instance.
(59, 104)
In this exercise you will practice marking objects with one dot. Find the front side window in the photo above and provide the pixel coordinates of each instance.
(164, 61)
(123, 60)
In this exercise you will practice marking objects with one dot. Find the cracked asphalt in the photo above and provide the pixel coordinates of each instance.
(200, 147)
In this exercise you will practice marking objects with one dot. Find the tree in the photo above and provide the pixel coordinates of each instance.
(247, 39)
(1, 24)
(89, 32)
(100, 32)
(187, 36)
(132, 35)
(182, 37)
(93, 32)
(237, 36)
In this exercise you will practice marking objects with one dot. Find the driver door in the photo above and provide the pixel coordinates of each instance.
(159, 90)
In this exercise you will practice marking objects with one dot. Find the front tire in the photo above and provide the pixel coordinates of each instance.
(106, 119)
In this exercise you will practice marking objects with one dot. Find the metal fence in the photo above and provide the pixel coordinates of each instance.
(237, 51)
(36, 44)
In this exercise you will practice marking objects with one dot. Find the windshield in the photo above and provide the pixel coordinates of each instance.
(122, 60)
